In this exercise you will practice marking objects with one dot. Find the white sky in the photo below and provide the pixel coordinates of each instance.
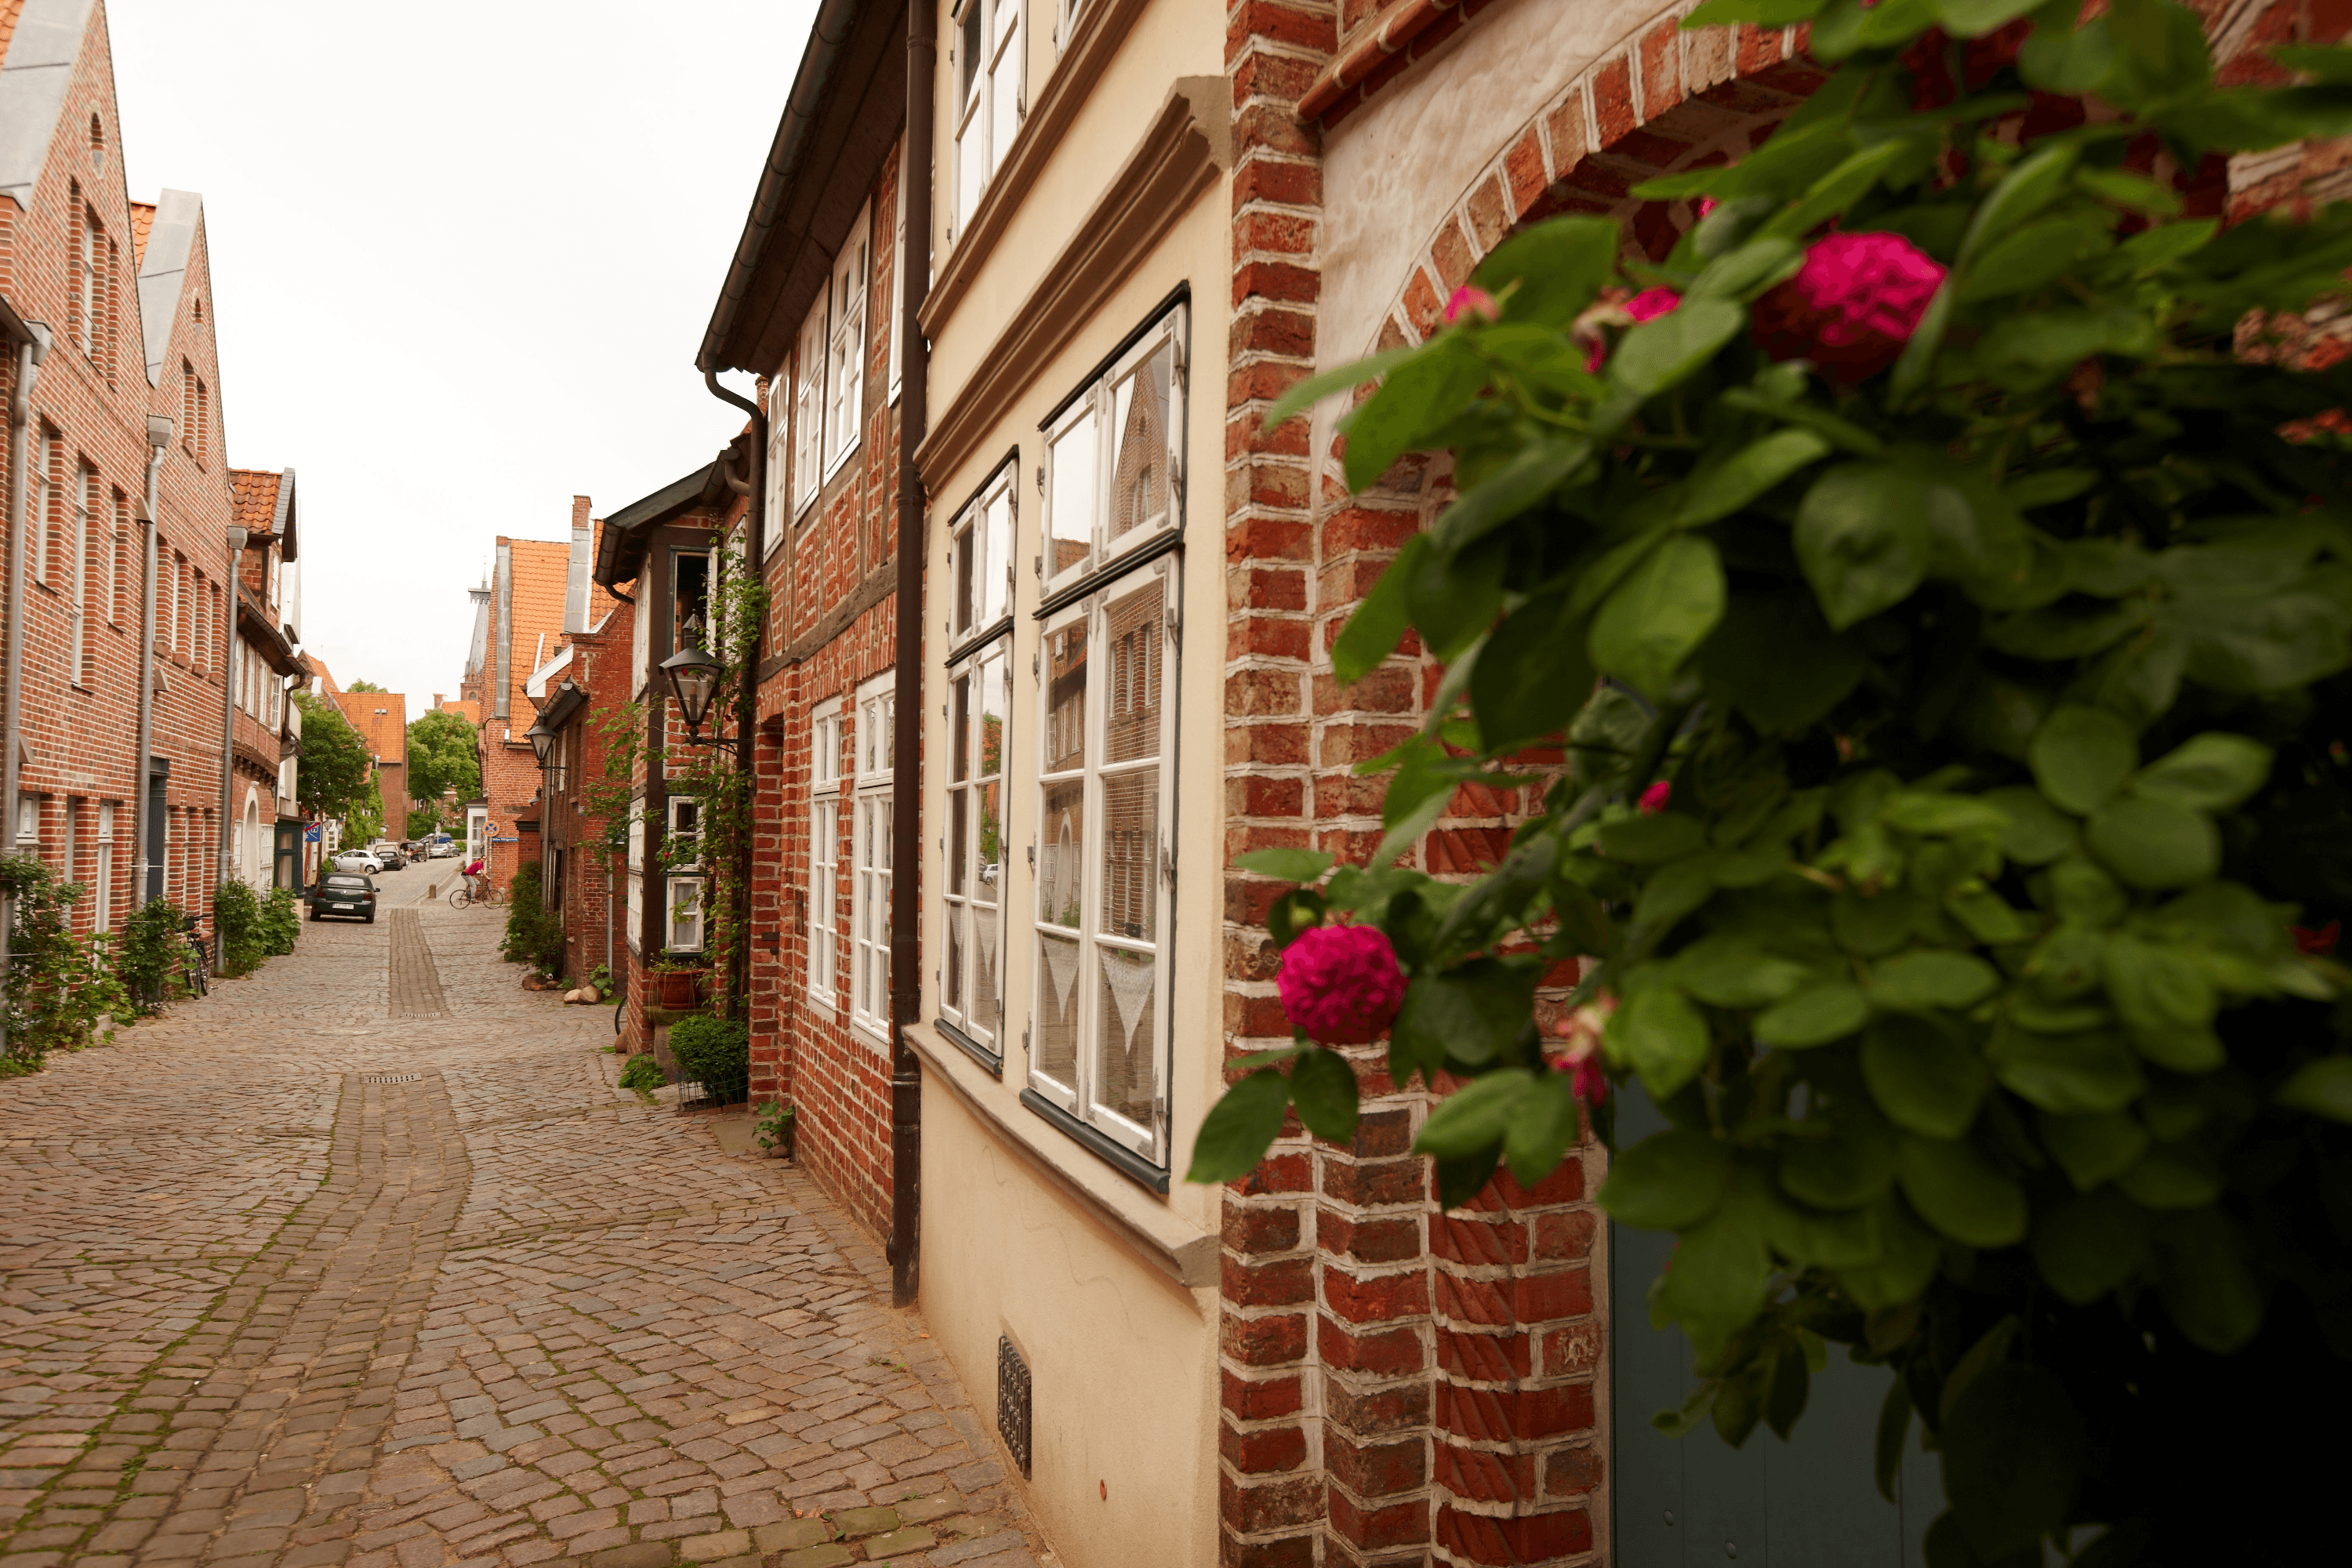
(463, 255)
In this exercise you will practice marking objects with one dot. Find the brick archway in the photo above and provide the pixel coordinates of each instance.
(1663, 102)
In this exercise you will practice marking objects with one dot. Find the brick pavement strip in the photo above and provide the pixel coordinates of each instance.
(258, 1311)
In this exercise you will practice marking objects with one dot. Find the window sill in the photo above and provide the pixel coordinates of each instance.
(988, 1059)
(1161, 1237)
(868, 1034)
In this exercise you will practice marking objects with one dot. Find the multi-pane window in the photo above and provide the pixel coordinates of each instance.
(845, 365)
(980, 559)
(971, 977)
(896, 323)
(685, 847)
(780, 455)
(808, 415)
(1114, 458)
(475, 835)
(1106, 729)
(40, 485)
(684, 914)
(103, 903)
(869, 902)
(824, 853)
(988, 95)
(81, 610)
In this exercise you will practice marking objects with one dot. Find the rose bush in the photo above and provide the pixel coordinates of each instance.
(1988, 615)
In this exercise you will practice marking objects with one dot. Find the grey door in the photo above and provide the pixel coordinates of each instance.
(1681, 1503)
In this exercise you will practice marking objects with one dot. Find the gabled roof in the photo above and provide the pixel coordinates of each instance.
(621, 551)
(143, 219)
(254, 496)
(163, 272)
(44, 40)
(466, 708)
(383, 718)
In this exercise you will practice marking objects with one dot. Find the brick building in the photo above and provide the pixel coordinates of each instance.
(583, 694)
(381, 720)
(519, 623)
(125, 494)
(266, 841)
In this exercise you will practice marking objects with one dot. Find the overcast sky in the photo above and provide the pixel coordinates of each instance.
(463, 255)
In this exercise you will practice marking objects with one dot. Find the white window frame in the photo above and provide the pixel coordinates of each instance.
(808, 408)
(845, 355)
(1080, 1097)
(974, 665)
(685, 822)
(636, 867)
(825, 855)
(991, 96)
(870, 869)
(37, 496)
(77, 607)
(897, 322)
(1084, 500)
(983, 532)
(641, 626)
(103, 877)
(682, 918)
(780, 455)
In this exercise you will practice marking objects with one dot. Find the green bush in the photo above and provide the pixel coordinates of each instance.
(534, 934)
(715, 1053)
(58, 985)
(237, 916)
(281, 921)
(149, 957)
(643, 1074)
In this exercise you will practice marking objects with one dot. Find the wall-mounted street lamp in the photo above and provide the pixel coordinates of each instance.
(541, 739)
(693, 675)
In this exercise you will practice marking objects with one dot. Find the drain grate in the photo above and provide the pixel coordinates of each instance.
(390, 1076)
(1012, 1403)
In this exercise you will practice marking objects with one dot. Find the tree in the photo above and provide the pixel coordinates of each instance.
(443, 756)
(333, 774)
(362, 686)
(1924, 638)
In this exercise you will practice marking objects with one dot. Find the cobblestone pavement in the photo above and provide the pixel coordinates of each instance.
(366, 1260)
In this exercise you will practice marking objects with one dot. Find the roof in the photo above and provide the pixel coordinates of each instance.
(535, 688)
(620, 551)
(254, 497)
(143, 219)
(465, 707)
(847, 106)
(163, 270)
(327, 686)
(383, 718)
(44, 41)
(534, 611)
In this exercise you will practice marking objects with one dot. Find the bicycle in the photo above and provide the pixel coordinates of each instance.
(199, 964)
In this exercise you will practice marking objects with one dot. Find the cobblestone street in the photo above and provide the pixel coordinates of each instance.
(366, 1259)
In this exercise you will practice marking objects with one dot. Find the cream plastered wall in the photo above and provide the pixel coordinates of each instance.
(1122, 1357)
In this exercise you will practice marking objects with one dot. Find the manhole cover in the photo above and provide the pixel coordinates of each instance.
(390, 1076)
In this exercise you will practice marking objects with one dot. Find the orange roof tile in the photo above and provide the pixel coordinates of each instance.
(540, 570)
(256, 496)
(9, 11)
(466, 709)
(326, 676)
(143, 219)
(383, 718)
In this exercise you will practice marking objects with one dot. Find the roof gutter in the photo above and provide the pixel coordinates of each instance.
(754, 488)
(906, 735)
(826, 36)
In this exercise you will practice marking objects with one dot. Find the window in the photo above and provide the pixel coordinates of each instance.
(122, 578)
(1114, 458)
(897, 324)
(684, 851)
(39, 483)
(83, 583)
(824, 852)
(780, 455)
(988, 95)
(81, 307)
(200, 617)
(808, 398)
(690, 594)
(28, 823)
(971, 977)
(102, 905)
(844, 366)
(980, 559)
(641, 637)
(869, 908)
(1104, 875)
(1066, 18)
(684, 914)
(636, 866)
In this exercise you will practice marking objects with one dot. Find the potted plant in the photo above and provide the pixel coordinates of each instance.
(677, 983)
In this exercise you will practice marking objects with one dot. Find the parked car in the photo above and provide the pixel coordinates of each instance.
(444, 851)
(344, 895)
(390, 855)
(358, 860)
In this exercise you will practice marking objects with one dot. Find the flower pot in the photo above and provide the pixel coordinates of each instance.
(679, 987)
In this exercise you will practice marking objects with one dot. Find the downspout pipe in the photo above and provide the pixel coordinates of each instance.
(754, 488)
(237, 537)
(158, 436)
(30, 341)
(906, 737)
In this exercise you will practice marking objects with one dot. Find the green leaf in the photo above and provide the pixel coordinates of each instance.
(1669, 1181)
(1974, 18)
(1652, 839)
(1958, 1191)
(1661, 1036)
(1778, 662)
(1674, 890)
(1863, 539)
(2081, 756)
(1471, 1015)
(1541, 1129)
(1660, 614)
(1421, 396)
(1240, 1128)
(1293, 913)
(2154, 843)
(2091, 1244)
(1784, 1396)
(2093, 1149)
(1747, 271)
(2172, 1176)
(2025, 260)
(1509, 490)
(2203, 1277)
(2070, 1074)
(1476, 1116)
(1663, 352)
(1813, 1018)
(2036, 834)
(2160, 49)
(1933, 811)
(2038, 179)
(1323, 1088)
(1721, 488)
(1378, 623)
(2211, 771)
(1307, 393)
(1531, 676)
(1850, 1168)
(1763, 12)
(1925, 1080)
(2065, 59)
(1726, 971)
(1925, 980)
(2322, 1087)
(1463, 1177)
(1558, 266)
(1894, 1431)
(1838, 1240)
(2012, 1457)
(1719, 1276)
(1908, 1254)
(1288, 865)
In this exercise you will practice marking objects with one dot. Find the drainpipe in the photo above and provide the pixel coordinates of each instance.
(158, 436)
(754, 488)
(228, 714)
(31, 340)
(906, 740)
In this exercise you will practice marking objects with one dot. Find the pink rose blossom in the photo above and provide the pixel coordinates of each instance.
(1852, 306)
(1705, 206)
(1341, 984)
(1470, 301)
(1581, 1033)
(1654, 799)
(1652, 303)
